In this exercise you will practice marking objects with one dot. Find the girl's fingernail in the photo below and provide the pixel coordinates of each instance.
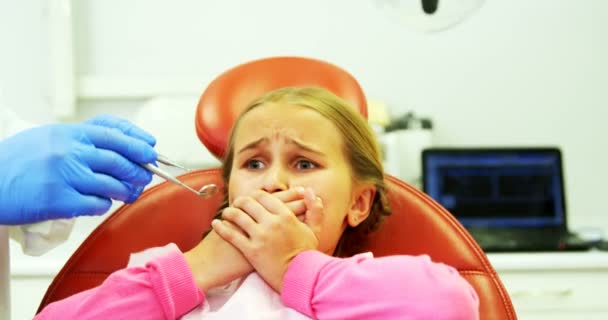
(311, 192)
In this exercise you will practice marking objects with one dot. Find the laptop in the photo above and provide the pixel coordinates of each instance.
(509, 199)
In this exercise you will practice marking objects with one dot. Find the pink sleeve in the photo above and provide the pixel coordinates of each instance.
(363, 287)
(163, 289)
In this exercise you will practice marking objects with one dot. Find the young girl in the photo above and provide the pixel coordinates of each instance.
(305, 188)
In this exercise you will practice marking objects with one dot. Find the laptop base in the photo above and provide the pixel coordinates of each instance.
(528, 241)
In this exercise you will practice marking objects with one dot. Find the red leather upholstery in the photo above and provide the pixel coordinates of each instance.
(166, 213)
(231, 92)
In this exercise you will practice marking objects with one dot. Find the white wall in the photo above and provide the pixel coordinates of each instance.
(516, 73)
(23, 67)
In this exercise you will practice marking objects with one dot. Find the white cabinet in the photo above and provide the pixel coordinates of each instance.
(26, 294)
(561, 285)
(31, 276)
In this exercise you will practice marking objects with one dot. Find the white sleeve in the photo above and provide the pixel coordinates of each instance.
(37, 238)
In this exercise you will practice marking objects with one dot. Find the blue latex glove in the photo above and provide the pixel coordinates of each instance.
(68, 170)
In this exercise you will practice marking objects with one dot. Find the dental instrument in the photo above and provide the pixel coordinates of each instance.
(205, 191)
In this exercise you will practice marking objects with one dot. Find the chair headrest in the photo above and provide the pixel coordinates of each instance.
(228, 95)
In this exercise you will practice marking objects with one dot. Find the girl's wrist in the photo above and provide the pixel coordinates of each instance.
(197, 267)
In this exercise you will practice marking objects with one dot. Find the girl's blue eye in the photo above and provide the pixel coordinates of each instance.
(254, 164)
(305, 164)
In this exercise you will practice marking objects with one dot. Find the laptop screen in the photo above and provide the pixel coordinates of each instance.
(497, 187)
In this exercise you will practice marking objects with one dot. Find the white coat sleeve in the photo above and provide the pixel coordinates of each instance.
(37, 238)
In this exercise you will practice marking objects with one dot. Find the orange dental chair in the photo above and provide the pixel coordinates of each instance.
(167, 213)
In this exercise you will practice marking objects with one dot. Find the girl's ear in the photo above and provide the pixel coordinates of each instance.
(361, 204)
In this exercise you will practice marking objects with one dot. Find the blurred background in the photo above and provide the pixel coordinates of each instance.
(486, 73)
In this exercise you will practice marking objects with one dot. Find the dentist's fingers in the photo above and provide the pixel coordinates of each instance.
(84, 205)
(124, 126)
(115, 165)
(101, 185)
(133, 149)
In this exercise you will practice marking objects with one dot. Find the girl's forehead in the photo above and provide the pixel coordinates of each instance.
(274, 121)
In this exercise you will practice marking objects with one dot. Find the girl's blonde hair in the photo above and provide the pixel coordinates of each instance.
(360, 148)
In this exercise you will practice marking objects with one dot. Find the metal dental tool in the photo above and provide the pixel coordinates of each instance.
(164, 160)
(206, 191)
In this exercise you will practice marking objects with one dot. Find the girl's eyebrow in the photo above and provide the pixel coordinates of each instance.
(252, 145)
(305, 147)
(299, 144)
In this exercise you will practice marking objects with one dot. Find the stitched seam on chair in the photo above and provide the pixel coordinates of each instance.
(90, 275)
(473, 270)
(90, 272)
(474, 273)
(485, 274)
(478, 252)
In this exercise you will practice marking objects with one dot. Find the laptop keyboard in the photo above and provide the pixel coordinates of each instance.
(516, 240)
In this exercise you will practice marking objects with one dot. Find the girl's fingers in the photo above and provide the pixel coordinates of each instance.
(240, 219)
(314, 212)
(291, 199)
(297, 207)
(251, 207)
(272, 203)
(289, 194)
(230, 234)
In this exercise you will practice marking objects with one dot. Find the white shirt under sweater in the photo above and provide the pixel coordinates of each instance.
(245, 298)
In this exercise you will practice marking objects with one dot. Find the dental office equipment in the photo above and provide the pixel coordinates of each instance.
(205, 191)
(164, 160)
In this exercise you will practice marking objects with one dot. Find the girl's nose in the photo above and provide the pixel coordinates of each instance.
(275, 180)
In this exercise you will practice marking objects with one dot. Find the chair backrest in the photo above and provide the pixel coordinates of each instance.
(165, 213)
(227, 95)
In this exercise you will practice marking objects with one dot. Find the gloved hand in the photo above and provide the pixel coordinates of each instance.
(67, 170)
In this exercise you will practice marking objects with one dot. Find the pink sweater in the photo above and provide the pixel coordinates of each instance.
(317, 285)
